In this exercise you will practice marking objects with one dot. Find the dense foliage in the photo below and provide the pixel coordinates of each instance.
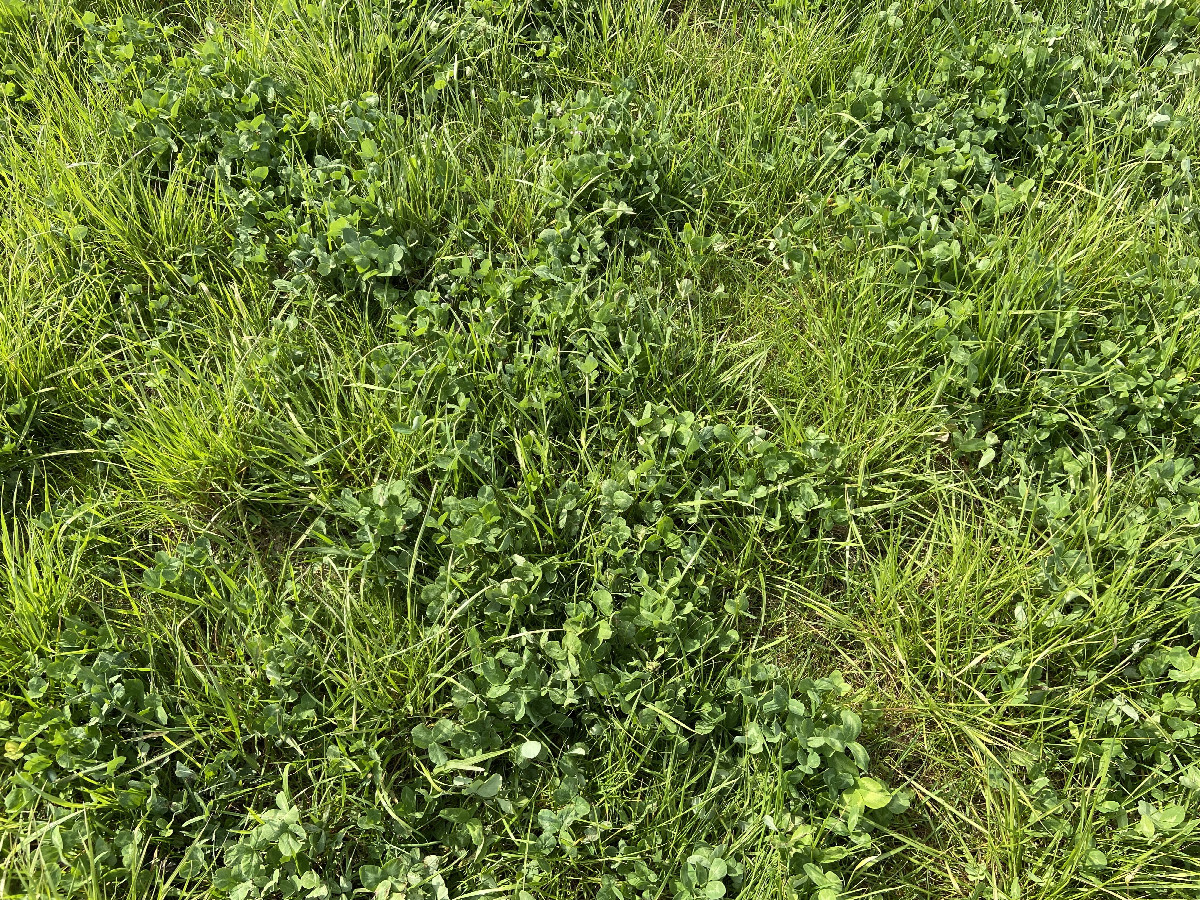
(554, 449)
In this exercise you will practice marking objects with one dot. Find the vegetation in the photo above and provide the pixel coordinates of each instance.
(545, 449)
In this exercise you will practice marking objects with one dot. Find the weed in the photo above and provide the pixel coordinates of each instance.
(448, 449)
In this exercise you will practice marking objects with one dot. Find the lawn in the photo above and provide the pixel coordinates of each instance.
(548, 449)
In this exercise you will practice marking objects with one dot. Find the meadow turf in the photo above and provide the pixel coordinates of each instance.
(549, 449)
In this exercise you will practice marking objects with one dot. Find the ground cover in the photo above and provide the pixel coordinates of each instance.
(545, 449)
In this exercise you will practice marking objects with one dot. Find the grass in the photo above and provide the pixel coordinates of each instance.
(542, 449)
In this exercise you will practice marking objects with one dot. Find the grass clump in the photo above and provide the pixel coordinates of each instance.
(548, 449)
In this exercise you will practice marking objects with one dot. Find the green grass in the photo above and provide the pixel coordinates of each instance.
(546, 449)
